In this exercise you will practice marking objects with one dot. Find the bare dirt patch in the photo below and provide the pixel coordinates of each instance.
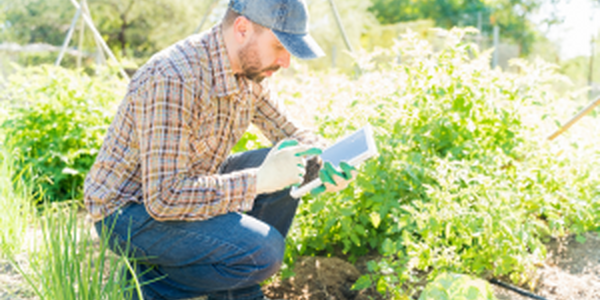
(571, 272)
(320, 278)
(12, 284)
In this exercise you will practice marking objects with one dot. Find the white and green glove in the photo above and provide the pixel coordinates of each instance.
(284, 166)
(334, 180)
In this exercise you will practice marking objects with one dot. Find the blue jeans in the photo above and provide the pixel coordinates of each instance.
(224, 257)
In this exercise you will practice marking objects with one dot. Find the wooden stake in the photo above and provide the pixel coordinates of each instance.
(576, 118)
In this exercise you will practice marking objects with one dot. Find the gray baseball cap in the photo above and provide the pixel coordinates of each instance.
(288, 19)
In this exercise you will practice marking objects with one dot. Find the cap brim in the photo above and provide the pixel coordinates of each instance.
(302, 46)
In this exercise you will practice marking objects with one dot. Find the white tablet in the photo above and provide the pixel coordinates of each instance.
(353, 149)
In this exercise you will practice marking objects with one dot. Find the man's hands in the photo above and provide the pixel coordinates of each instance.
(334, 180)
(283, 166)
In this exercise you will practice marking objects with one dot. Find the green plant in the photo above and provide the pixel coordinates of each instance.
(67, 262)
(251, 140)
(465, 181)
(457, 287)
(15, 208)
(55, 125)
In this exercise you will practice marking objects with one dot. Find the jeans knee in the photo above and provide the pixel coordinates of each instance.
(272, 251)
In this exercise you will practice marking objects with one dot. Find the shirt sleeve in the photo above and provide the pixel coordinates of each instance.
(171, 192)
(273, 120)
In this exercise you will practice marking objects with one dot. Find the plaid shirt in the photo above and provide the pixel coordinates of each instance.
(183, 112)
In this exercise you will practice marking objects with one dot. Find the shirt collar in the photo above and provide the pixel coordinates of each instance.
(225, 82)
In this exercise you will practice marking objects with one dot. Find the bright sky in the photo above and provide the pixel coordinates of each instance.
(581, 21)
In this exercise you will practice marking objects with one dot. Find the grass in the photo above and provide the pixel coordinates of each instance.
(62, 259)
(15, 209)
(69, 263)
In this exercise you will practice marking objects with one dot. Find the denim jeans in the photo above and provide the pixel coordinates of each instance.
(224, 257)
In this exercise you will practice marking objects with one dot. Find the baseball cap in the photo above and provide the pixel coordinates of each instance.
(288, 19)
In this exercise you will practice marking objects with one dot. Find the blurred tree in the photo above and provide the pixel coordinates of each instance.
(510, 15)
(139, 28)
(132, 28)
(35, 21)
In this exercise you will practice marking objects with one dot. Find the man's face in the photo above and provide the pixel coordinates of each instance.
(262, 56)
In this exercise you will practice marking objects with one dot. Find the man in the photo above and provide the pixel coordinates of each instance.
(163, 188)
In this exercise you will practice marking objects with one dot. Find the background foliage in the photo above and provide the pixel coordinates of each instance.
(510, 15)
(465, 180)
(137, 29)
(55, 125)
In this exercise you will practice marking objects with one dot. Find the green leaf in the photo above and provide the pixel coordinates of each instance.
(317, 205)
(359, 229)
(362, 283)
(388, 247)
(375, 219)
(355, 239)
(382, 285)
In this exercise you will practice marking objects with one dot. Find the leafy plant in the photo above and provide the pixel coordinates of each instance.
(56, 123)
(457, 287)
(464, 181)
(251, 140)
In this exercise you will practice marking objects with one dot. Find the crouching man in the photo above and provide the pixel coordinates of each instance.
(164, 189)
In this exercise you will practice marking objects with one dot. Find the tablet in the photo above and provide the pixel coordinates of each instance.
(353, 149)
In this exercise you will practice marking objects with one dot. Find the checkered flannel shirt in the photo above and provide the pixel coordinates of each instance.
(183, 112)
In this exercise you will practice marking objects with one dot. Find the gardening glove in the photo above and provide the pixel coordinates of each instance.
(334, 180)
(284, 166)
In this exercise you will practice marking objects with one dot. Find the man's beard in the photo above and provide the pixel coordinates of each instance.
(250, 63)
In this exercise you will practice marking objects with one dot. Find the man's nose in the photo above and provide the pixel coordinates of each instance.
(284, 59)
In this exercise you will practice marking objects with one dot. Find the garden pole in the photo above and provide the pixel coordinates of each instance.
(81, 35)
(591, 70)
(99, 38)
(496, 46)
(100, 58)
(210, 8)
(479, 29)
(576, 118)
(340, 26)
(68, 38)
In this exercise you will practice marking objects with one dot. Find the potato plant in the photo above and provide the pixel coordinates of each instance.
(56, 122)
(465, 181)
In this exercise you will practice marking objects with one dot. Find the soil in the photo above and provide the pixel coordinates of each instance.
(320, 278)
(571, 271)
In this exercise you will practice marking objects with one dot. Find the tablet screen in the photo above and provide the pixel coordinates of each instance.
(352, 149)
(347, 149)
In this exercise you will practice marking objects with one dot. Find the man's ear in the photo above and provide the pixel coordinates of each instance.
(242, 29)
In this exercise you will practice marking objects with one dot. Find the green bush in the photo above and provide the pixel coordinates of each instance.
(464, 182)
(457, 287)
(55, 125)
